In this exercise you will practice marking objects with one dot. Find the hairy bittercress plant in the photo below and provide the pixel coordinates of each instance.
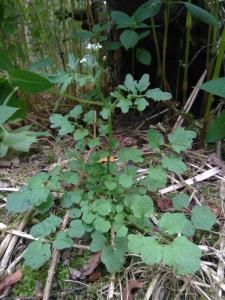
(107, 202)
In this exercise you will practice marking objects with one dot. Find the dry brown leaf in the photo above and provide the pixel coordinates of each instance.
(93, 263)
(132, 284)
(9, 280)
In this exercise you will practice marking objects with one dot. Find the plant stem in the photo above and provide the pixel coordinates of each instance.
(165, 39)
(186, 55)
(158, 57)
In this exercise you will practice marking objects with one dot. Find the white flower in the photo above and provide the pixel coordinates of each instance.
(94, 46)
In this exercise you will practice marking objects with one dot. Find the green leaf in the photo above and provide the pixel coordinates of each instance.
(70, 177)
(143, 83)
(59, 121)
(156, 179)
(29, 82)
(76, 229)
(102, 207)
(126, 154)
(62, 241)
(45, 206)
(5, 61)
(37, 254)
(18, 201)
(129, 39)
(122, 231)
(130, 83)
(126, 180)
(98, 241)
(70, 198)
(216, 129)
(124, 104)
(88, 217)
(120, 18)
(202, 15)
(157, 95)
(74, 213)
(151, 251)
(135, 243)
(46, 227)
(147, 10)
(202, 218)
(110, 184)
(42, 63)
(143, 56)
(155, 139)
(215, 87)
(89, 117)
(79, 134)
(183, 255)
(92, 143)
(172, 223)
(76, 112)
(20, 141)
(114, 257)
(6, 112)
(105, 113)
(142, 206)
(181, 200)
(102, 225)
(174, 164)
(141, 103)
(181, 139)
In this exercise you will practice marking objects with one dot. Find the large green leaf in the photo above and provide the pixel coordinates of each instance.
(215, 87)
(98, 241)
(36, 254)
(183, 255)
(5, 61)
(29, 82)
(147, 10)
(156, 179)
(114, 257)
(152, 251)
(174, 164)
(202, 218)
(46, 227)
(129, 38)
(181, 139)
(172, 223)
(155, 139)
(18, 201)
(63, 241)
(201, 14)
(216, 129)
(126, 154)
(6, 112)
(120, 18)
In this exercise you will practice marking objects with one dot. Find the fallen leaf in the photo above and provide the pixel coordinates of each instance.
(9, 280)
(164, 204)
(132, 284)
(93, 263)
(94, 276)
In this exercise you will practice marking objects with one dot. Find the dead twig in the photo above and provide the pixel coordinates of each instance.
(55, 258)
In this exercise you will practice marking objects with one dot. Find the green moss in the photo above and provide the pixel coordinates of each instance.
(77, 262)
(26, 287)
(62, 273)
